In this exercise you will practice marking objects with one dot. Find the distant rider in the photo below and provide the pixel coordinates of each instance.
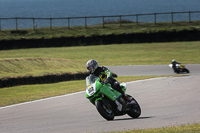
(174, 62)
(105, 75)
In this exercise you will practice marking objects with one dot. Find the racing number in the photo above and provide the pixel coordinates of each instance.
(90, 90)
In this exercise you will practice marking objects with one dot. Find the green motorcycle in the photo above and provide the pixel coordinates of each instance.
(108, 101)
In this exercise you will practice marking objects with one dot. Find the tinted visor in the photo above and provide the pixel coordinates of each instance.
(90, 68)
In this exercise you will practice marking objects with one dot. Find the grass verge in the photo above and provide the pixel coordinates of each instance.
(36, 67)
(114, 29)
(192, 128)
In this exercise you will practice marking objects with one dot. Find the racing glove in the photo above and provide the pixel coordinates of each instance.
(106, 81)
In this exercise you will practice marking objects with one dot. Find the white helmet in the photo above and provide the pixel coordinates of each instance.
(91, 65)
(173, 60)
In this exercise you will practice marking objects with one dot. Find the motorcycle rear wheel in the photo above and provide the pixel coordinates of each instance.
(186, 70)
(104, 111)
(135, 110)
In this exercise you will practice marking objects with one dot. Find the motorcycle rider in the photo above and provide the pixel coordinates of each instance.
(105, 75)
(174, 62)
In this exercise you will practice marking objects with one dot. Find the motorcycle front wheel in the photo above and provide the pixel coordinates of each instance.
(105, 110)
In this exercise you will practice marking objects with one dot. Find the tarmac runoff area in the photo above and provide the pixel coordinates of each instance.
(166, 101)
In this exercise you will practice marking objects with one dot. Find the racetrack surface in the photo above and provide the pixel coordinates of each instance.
(141, 70)
(167, 101)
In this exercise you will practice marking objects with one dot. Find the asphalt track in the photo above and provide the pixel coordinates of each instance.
(167, 101)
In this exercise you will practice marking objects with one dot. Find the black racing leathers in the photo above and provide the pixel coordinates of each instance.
(106, 75)
(174, 65)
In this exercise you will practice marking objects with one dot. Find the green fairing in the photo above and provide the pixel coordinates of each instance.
(98, 84)
(86, 95)
(110, 92)
(103, 89)
(124, 89)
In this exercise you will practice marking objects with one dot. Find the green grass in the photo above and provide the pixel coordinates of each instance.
(41, 61)
(19, 67)
(24, 93)
(98, 30)
(192, 128)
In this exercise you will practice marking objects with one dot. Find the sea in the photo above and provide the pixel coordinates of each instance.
(87, 8)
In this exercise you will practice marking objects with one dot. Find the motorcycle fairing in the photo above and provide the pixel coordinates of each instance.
(95, 90)
(110, 92)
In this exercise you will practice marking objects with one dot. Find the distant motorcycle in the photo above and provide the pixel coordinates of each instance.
(179, 68)
(109, 102)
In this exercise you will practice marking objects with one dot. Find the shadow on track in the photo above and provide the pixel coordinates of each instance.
(148, 117)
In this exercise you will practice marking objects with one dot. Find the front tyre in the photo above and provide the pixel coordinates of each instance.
(134, 109)
(105, 110)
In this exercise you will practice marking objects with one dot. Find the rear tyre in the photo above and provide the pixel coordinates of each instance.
(105, 110)
(134, 110)
(177, 71)
(186, 70)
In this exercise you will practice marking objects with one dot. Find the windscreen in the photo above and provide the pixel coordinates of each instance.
(90, 79)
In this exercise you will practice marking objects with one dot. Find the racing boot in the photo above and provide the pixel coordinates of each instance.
(119, 88)
(127, 98)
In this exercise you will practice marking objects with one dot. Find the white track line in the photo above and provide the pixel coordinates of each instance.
(146, 80)
(41, 100)
(14, 105)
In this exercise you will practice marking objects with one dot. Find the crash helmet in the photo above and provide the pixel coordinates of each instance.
(91, 65)
(173, 60)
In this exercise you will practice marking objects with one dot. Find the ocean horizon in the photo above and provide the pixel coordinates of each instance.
(82, 8)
